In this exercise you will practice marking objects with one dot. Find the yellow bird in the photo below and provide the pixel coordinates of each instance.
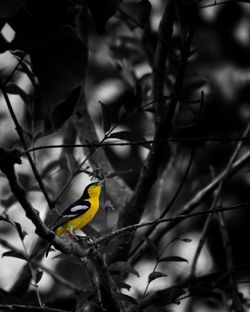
(79, 213)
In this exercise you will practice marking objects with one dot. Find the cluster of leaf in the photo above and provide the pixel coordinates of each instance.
(46, 32)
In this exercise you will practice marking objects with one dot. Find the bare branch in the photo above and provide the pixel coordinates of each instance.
(198, 198)
(22, 139)
(117, 189)
(24, 308)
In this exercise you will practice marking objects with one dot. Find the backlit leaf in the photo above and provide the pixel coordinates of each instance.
(123, 267)
(39, 275)
(12, 88)
(173, 259)
(125, 298)
(14, 254)
(154, 275)
(131, 137)
(21, 233)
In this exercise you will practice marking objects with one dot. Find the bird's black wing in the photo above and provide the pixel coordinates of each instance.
(76, 209)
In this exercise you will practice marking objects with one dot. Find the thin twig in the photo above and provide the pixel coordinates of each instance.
(168, 207)
(38, 264)
(204, 231)
(178, 218)
(22, 139)
(198, 198)
(214, 203)
(25, 308)
(148, 142)
(14, 70)
(229, 262)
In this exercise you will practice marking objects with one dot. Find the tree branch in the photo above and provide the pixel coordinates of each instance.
(116, 188)
(22, 139)
(197, 199)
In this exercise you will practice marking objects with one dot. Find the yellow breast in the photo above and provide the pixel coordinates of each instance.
(80, 221)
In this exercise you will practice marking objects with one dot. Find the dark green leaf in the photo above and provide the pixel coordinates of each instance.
(86, 294)
(12, 88)
(123, 285)
(194, 82)
(53, 12)
(39, 275)
(152, 247)
(101, 11)
(123, 267)
(14, 254)
(154, 275)
(59, 59)
(21, 233)
(131, 137)
(186, 240)
(9, 8)
(24, 68)
(169, 295)
(5, 218)
(136, 13)
(110, 247)
(105, 117)
(65, 109)
(126, 298)
(143, 11)
(173, 259)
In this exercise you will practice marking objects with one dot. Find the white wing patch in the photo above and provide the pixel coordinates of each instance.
(79, 207)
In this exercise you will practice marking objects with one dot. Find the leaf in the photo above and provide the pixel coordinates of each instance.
(131, 137)
(105, 117)
(39, 275)
(101, 11)
(14, 254)
(125, 298)
(110, 247)
(173, 259)
(123, 267)
(185, 240)
(143, 11)
(59, 58)
(169, 295)
(53, 12)
(123, 285)
(65, 109)
(153, 247)
(21, 233)
(12, 88)
(10, 7)
(139, 11)
(154, 275)
(26, 70)
(85, 294)
(5, 218)
(194, 82)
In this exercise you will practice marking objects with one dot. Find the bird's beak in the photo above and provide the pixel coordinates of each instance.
(101, 182)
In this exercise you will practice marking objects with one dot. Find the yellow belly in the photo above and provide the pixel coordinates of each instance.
(80, 221)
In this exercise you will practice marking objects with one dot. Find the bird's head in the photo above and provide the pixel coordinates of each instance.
(93, 190)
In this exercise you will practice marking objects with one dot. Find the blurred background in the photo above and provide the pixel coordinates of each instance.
(119, 77)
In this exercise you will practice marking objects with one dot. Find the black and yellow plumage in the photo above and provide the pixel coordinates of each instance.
(80, 212)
